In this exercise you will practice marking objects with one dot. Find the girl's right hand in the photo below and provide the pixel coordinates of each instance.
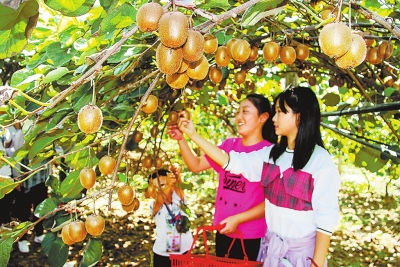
(174, 132)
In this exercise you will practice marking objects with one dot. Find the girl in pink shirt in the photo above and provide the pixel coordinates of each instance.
(236, 194)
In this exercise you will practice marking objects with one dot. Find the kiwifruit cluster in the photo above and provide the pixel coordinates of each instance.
(287, 54)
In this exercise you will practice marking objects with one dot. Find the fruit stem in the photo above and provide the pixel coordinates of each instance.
(32, 99)
(18, 107)
(93, 92)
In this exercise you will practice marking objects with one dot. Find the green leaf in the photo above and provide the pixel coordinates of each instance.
(389, 91)
(57, 118)
(59, 55)
(13, 24)
(46, 206)
(222, 100)
(82, 96)
(259, 11)
(117, 18)
(71, 186)
(46, 140)
(58, 253)
(71, 8)
(6, 186)
(55, 74)
(331, 99)
(210, 4)
(369, 159)
(5, 250)
(92, 253)
(48, 241)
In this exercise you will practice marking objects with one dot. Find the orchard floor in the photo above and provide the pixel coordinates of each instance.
(368, 235)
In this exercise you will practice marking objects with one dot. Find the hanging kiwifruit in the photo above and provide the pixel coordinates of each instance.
(229, 45)
(271, 51)
(302, 52)
(254, 53)
(198, 70)
(287, 54)
(210, 43)
(148, 15)
(372, 56)
(329, 11)
(259, 71)
(240, 50)
(215, 74)
(222, 57)
(168, 59)
(385, 49)
(173, 29)
(177, 80)
(368, 41)
(240, 77)
(193, 48)
(355, 55)
(312, 80)
(335, 39)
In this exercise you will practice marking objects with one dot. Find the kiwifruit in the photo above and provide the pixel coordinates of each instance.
(240, 77)
(90, 119)
(215, 74)
(151, 104)
(355, 55)
(77, 231)
(177, 80)
(329, 11)
(173, 29)
(147, 162)
(107, 165)
(259, 71)
(210, 43)
(148, 15)
(368, 41)
(65, 235)
(126, 194)
(229, 45)
(222, 57)
(287, 54)
(154, 131)
(158, 163)
(173, 117)
(302, 52)
(198, 70)
(137, 136)
(312, 80)
(183, 67)
(95, 225)
(193, 48)
(87, 177)
(332, 81)
(385, 49)
(169, 60)
(335, 39)
(372, 56)
(240, 50)
(254, 53)
(271, 51)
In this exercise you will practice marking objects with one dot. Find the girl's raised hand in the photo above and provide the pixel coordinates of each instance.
(186, 126)
(174, 132)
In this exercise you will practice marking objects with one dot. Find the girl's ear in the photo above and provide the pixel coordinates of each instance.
(264, 117)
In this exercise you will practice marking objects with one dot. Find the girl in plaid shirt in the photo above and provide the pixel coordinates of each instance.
(300, 180)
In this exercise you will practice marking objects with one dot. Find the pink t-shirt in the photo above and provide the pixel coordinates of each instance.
(236, 194)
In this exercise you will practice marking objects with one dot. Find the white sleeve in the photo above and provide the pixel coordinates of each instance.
(248, 164)
(325, 199)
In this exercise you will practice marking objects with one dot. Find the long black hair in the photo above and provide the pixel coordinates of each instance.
(302, 101)
(263, 105)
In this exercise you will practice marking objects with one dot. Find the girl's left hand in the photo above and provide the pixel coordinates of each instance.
(186, 126)
(231, 223)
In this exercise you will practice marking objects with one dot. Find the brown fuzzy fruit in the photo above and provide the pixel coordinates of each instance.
(259, 72)
(87, 177)
(147, 162)
(177, 80)
(240, 77)
(240, 50)
(355, 55)
(183, 67)
(65, 235)
(222, 57)
(271, 51)
(302, 52)
(94, 225)
(312, 80)
(107, 165)
(137, 136)
(329, 11)
(159, 163)
(126, 194)
(173, 117)
(151, 104)
(154, 131)
(229, 45)
(287, 54)
(169, 60)
(128, 208)
(372, 56)
(335, 39)
(185, 114)
(215, 74)
(369, 42)
(193, 48)
(173, 29)
(198, 70)
(385, 49)
(148, 15)
(90, 119)
(210, 43)
(77, 231)
(151, 191)
(254, 53)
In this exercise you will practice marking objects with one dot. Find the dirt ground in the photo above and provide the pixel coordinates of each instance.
(368, 235)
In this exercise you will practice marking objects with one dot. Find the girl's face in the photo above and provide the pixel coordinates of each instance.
(247, 118)
(285, 124)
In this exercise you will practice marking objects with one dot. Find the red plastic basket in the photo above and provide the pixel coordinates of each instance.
(206, 260)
